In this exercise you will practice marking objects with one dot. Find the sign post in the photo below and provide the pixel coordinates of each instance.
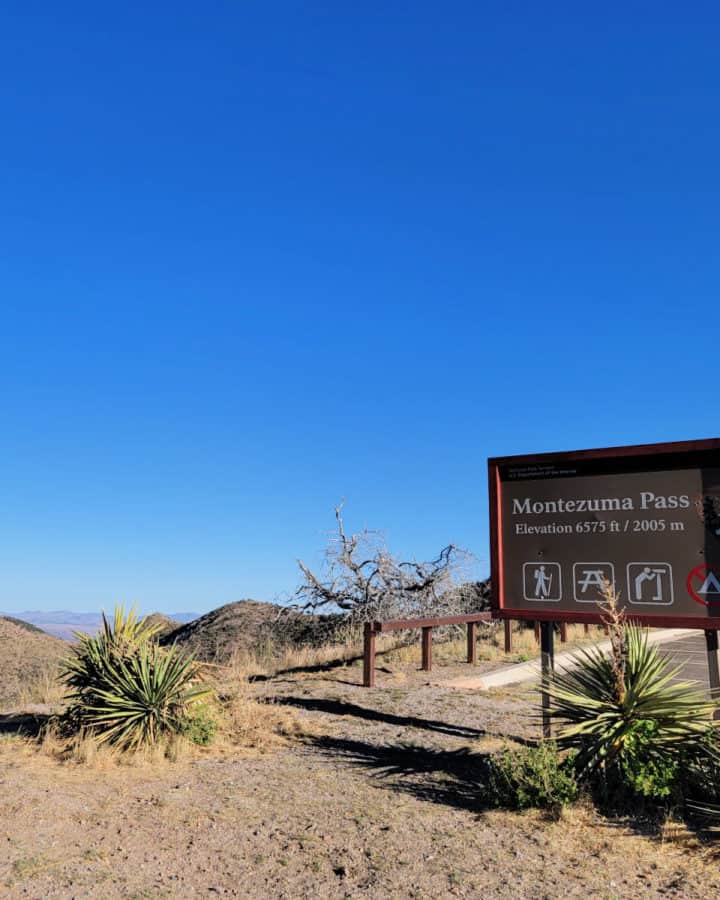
(547, 656)
(711, 643)
(644, 519)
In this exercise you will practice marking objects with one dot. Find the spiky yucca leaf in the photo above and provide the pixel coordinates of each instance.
(145, 696)
(125, 689)
(125, 629)
(600, 718)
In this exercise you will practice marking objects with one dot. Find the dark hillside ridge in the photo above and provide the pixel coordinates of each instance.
(28, 626)
(251, 625)
(165, 624)
(248, 625)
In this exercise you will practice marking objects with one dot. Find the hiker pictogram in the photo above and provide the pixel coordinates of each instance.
(542, 581)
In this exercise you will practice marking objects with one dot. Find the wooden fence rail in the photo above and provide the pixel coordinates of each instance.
(372, 629)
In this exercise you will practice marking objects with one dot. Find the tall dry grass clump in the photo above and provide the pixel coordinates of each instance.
(43, 687)
(248, 723)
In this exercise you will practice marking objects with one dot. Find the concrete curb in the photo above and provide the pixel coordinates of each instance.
(519, 673)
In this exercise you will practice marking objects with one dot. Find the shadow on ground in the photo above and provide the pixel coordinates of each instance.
(454, 778)
(462, 779)
(27, 724)
(325, 666)
(343, 708)
(308, 670)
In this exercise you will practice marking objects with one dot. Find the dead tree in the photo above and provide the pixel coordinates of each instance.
(365, 582)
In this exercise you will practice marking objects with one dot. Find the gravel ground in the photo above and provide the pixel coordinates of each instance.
(375, 799)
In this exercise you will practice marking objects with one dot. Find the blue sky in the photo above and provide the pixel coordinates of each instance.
(258, 257)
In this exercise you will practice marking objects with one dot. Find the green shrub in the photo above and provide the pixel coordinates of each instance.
(645, 771)
(531, 777)
(200, 727)
(124, 689)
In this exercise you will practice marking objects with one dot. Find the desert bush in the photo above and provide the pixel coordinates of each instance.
(126, 690)
(532, 777)
(200, 726)
(645, 771)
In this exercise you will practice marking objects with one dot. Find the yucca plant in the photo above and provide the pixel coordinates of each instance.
(125, 689)
(625, 717)
(605, 719)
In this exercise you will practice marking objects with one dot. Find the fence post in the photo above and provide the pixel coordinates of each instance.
(427, 649)
(537, 632)
(472, 643)
(508, 635)
(587, 628)
(563, 632)
(369, 655)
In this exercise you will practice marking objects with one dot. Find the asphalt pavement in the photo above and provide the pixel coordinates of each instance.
(682, 646)
(691, 652)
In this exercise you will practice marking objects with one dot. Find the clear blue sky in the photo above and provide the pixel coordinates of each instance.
(255, 257)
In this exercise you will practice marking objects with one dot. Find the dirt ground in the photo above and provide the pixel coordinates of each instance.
(375, 798)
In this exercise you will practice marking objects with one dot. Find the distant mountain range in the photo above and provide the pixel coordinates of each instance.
(63, 622)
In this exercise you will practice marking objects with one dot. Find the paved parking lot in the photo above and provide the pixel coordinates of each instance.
(691, 652)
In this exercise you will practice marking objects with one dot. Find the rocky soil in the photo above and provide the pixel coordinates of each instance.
(377, 797)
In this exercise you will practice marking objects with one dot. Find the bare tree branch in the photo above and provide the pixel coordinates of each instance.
(362, 579)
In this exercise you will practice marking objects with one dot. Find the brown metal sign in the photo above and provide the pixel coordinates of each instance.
(646, 519)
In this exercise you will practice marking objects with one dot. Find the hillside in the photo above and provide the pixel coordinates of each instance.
(165, 624)
(249, 625)
(28, 626)
(27, 655)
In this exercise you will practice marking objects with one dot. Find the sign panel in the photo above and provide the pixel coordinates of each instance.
(645, 519)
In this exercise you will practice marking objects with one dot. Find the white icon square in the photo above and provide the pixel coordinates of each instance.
(542, 582)
(589, 579)
(650, 583)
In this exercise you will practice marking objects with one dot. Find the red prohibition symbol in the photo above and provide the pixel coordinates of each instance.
(703, 584)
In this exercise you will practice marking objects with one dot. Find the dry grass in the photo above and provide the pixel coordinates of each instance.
(79, 749)
(269, 659)
(400, 648)
(28, 663)
(246, 725)
(82, 749)
(676, 832)
(249, 724)
(42, 686)
(490, 646)
(79, 758)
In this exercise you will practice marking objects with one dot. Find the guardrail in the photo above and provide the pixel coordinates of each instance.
(372, 629)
